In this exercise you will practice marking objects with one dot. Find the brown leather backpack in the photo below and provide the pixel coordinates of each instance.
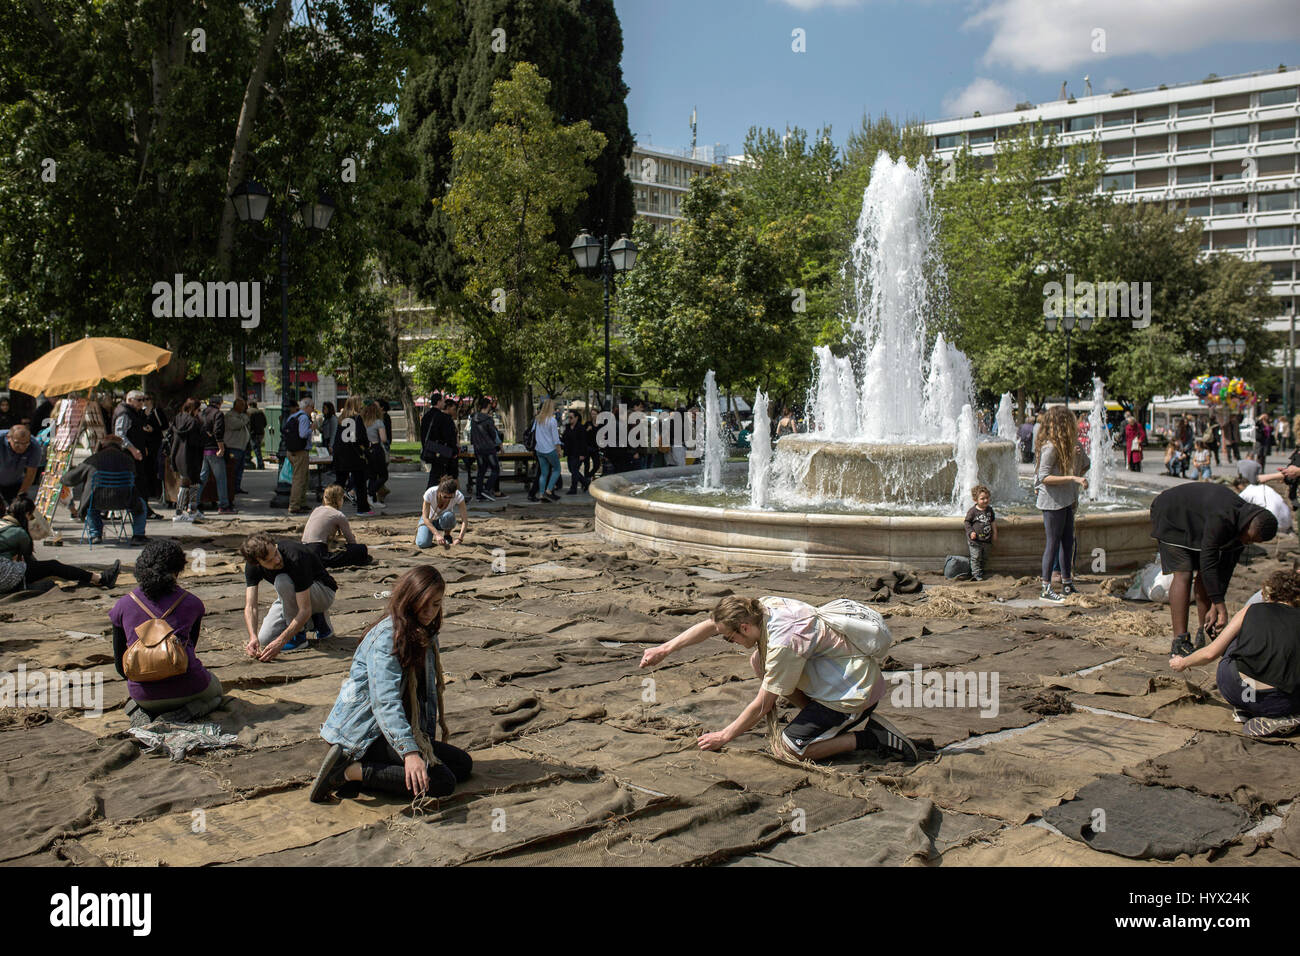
(157, 652)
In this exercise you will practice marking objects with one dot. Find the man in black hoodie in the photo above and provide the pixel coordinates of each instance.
(1202, 530)
(438, 441)
(485, 438)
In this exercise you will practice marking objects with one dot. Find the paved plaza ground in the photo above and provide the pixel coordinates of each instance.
(583, 758)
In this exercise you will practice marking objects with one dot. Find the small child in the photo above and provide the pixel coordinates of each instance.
(981, 530)
(1201, 462)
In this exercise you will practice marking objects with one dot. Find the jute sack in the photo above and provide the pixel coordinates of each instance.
(861, 626)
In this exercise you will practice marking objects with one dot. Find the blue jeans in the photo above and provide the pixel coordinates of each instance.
(139, 520)
(238, 457)
(549, 463)
(1203, 472)
(213, 465)
(444, 523)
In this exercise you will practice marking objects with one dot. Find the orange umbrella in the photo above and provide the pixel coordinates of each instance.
(86, 363)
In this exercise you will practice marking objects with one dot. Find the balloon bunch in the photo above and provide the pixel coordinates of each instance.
(1235, 393)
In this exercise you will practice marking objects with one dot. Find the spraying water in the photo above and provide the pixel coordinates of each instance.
(760, 453)
(714, 446)
(1099, 450)
(1005, 419)
(967, 464)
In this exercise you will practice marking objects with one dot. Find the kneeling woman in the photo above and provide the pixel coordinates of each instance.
(1259, 674)
(382, 725)
(823, 660)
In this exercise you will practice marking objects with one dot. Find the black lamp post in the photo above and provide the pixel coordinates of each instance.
(1067, 323)
(251, 200)
(593, 253)
(1227, 347)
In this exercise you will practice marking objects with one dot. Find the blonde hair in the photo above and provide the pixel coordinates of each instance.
(980, 490)
(371, 413)
(333, 496)
(546, 411)
(731, 612)
(1061, 431)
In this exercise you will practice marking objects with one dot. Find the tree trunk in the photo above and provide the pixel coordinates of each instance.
(1020, 406)
(244, 131)
(516, 407)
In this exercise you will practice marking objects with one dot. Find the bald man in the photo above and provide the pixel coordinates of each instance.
(20, 460)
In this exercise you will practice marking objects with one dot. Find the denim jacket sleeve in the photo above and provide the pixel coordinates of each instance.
(385, 685)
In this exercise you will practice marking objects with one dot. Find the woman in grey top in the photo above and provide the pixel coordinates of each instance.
(1061, 463)
(237, 440)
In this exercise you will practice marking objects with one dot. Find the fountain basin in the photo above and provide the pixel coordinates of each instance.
(811, 540)
(824, 470)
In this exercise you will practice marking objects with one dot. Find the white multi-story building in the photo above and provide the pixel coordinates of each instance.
(661, 177)
(1225, 150)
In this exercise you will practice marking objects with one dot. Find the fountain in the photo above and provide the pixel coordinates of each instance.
(887, 470)
(1005, 419)
(1099, 447)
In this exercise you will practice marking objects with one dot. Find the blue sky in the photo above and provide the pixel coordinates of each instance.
(932, 59)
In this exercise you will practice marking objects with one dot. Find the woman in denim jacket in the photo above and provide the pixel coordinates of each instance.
(377, 744)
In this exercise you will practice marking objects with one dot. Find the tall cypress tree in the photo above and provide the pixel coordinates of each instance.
(578, 46)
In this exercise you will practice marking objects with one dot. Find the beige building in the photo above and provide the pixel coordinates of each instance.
(661, 177)
(1225, 150)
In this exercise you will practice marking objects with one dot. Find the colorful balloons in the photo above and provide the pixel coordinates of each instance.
(1235, 393)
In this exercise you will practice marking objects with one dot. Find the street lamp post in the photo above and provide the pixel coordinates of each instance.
(1227, 348)
(1067, 323)
(592, 253)
(251, 200)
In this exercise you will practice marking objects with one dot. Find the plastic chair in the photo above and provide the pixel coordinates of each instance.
(112, 494)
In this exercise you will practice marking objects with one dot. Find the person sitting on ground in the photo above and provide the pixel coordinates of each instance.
(381, 730)
(300, 581)
(327, 521)
(832, 673)
(1259, 659)
(17, 547)
(1201, 530)
(157, 596)
(438, 515)
(1264, 496)
(110, 456)
(1201, 463)
(981, 530)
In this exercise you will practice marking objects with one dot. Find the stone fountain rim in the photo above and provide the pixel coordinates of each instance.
(609, 490)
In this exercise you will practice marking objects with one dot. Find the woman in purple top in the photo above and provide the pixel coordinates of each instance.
(156, 569)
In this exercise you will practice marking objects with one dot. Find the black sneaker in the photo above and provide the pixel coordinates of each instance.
(488, 498)
(890, 741)
(1182, 646)
(139, 539)
(330, 776)
(1048, 594)
(1068, 588)
(1200, 638)
(108, 578)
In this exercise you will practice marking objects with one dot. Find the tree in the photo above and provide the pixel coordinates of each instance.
(512, 180)
(578, 46)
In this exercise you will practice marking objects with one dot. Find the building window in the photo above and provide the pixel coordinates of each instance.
(1079, 124)
(1227, 104)
(1051, 126)
(1226, 172)
(1230, 205)
(1230, 239)
(1199, 108)
(1195, 207)
(1152, 178)
(1268, 132)
(982, 137)
(1190, 175)
(1117, 181)
(1117, 148)
(1153, 114)
(1199, 140)
(1281, 271)
(1277, 97)
(1276, 202)
(1277, 165)
(1279, 236)
(1231, 136)
(1152, 145)
(1117, 119)
(951, 141)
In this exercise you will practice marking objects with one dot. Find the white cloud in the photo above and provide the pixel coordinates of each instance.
(1052, 35)
(815, 4)
(983, 94)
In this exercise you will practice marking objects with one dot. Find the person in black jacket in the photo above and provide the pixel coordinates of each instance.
(1202, 530)
(187, 459)
(1259, 673)
(485, 438)
(351, 452)
(438, 443)
(574, 442)
(109, 456)
(256, 432)
(213, 422)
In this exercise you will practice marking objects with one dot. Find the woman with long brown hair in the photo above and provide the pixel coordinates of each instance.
(1058, 478)
(381, 730)
(824, 660)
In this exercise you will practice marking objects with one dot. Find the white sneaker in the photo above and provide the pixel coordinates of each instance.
(179, 517)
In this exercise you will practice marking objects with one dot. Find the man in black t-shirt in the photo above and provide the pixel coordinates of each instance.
(301, 583)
